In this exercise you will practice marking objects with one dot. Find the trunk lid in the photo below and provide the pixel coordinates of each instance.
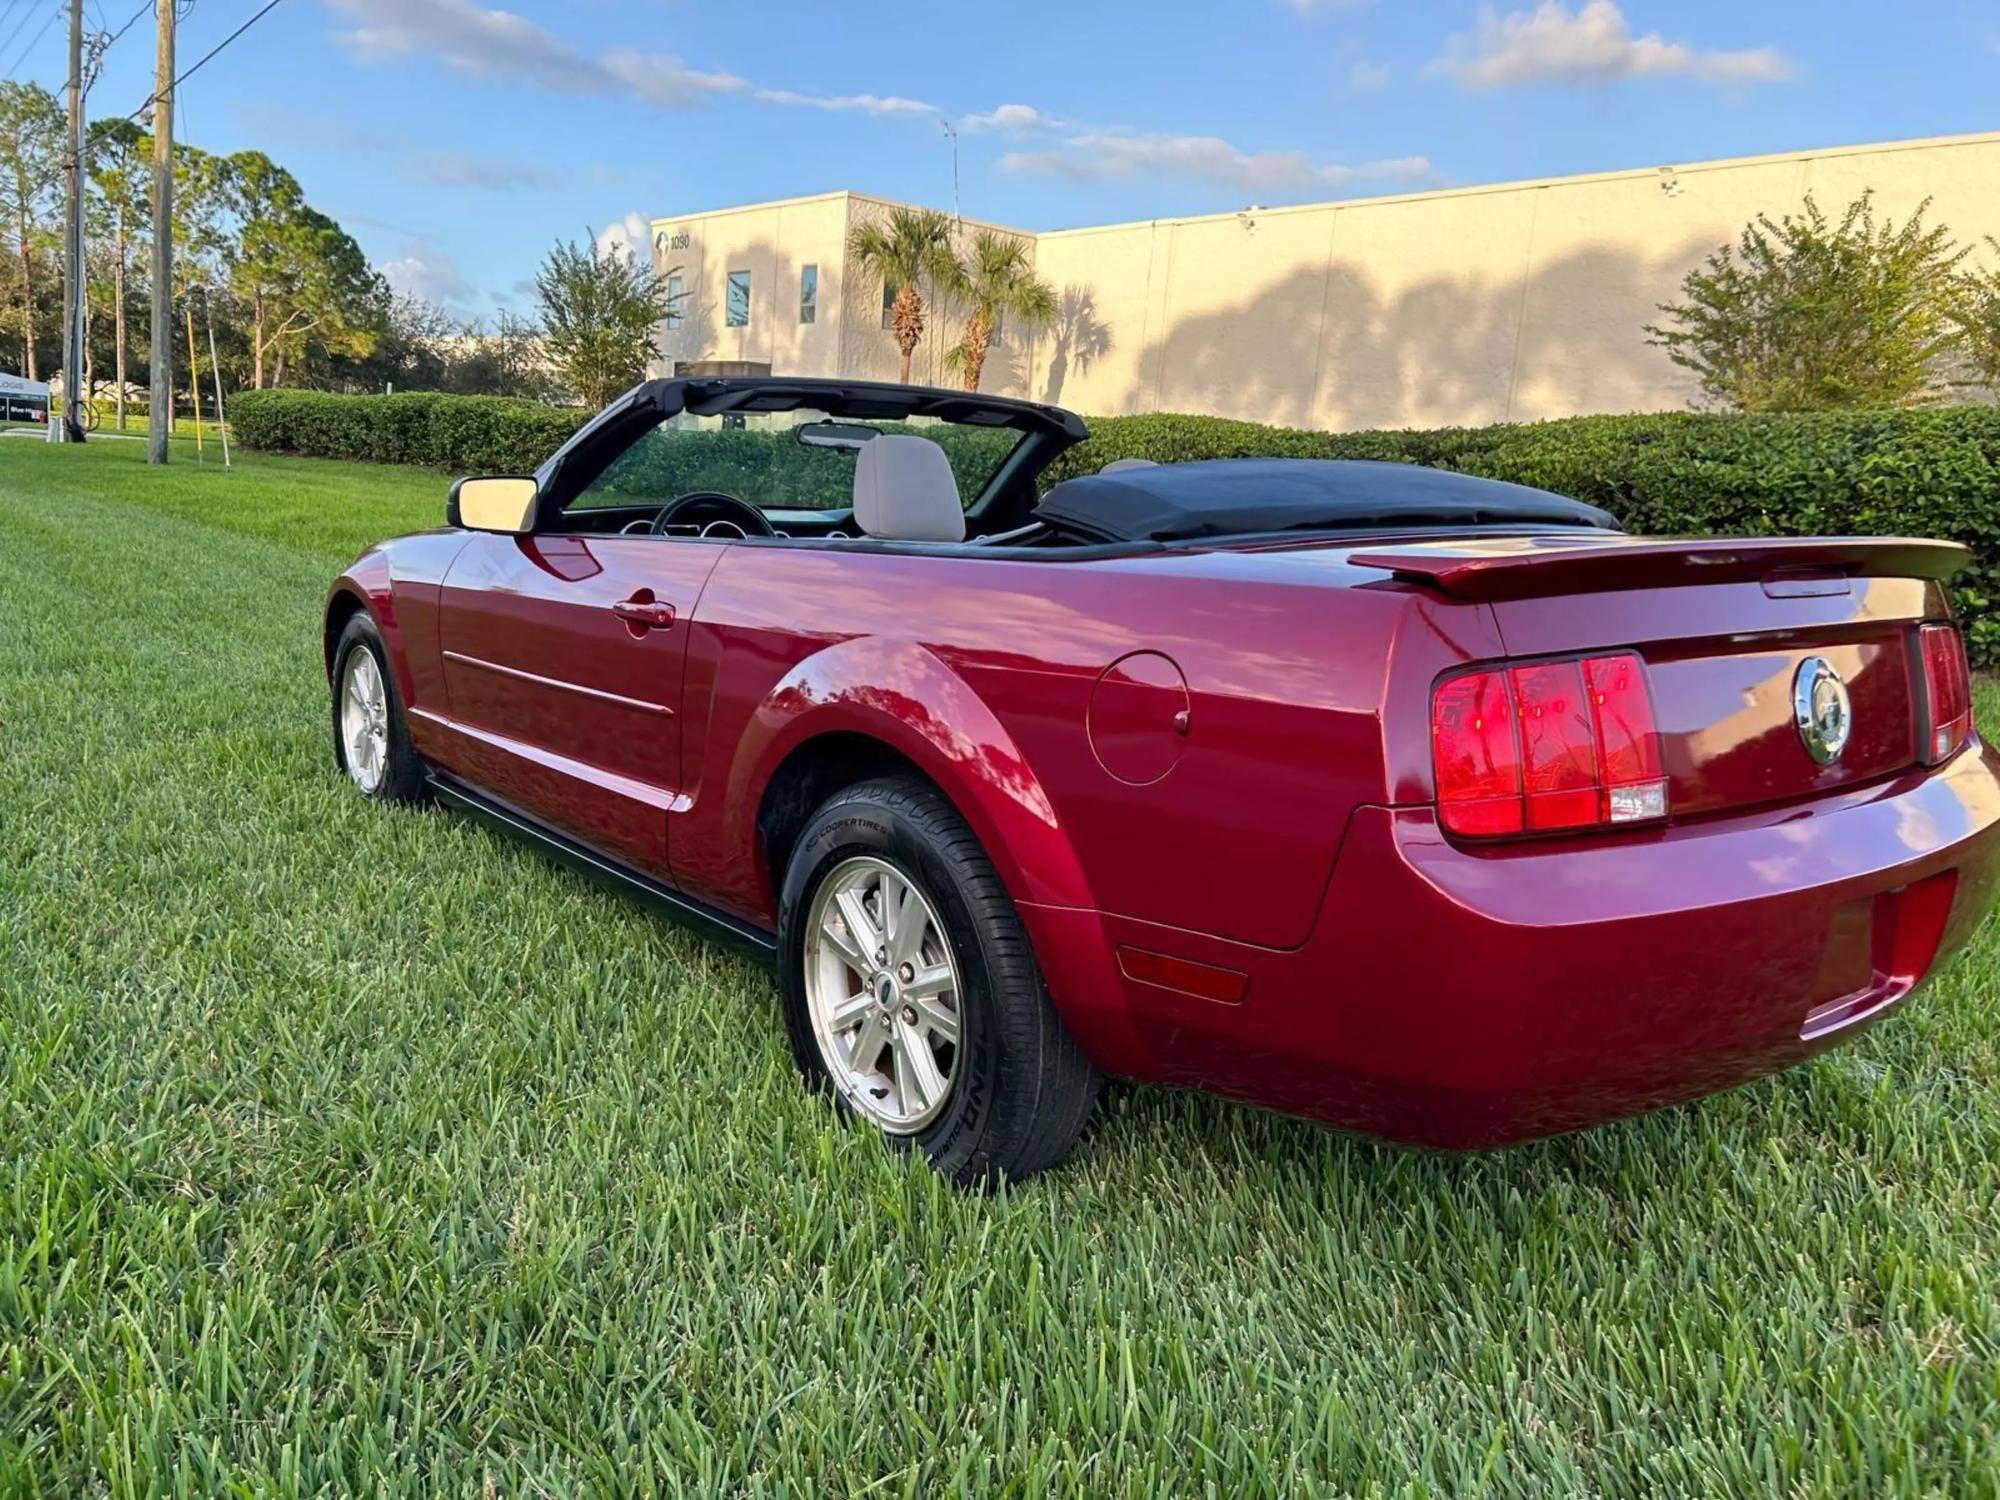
(1725, 628)
(1514, 567)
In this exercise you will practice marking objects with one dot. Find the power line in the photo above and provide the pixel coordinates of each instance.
(144, 9)
(102, 43)
(21, 56)
(8, 11)
(26, 16)
(155, 97)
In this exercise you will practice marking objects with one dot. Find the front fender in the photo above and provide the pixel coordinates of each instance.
(367, 583)
(908, 698)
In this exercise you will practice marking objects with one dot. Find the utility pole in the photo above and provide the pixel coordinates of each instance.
(160, 394)
(70, 428)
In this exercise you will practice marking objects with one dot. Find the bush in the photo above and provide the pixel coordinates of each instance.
(465, 434)
(1933, 472)
(1928, 472)
(496, 435)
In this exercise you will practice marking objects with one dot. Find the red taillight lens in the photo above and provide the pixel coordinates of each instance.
(1547, 746)
(1628, 740)
(1948, 690)
(1477, 754)
(1558, 750)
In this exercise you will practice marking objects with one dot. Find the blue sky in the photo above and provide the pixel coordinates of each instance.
(458, 138)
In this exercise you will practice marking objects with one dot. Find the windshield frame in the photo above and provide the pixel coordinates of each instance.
(1046, 430)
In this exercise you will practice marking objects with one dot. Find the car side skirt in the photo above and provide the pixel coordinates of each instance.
(607, 869)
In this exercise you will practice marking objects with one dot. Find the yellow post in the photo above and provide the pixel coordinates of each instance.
(194, 379)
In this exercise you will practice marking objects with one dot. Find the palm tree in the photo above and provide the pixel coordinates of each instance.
(913, 246)
(999, 281)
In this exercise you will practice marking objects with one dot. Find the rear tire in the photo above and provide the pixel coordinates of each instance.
(371, 739)
(949, 970)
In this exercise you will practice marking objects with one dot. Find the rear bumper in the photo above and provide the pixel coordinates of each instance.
(1473, 998)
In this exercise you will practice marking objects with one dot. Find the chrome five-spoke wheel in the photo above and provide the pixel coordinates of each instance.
(883, 988)
(364, 719)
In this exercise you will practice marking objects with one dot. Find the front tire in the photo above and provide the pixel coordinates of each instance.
(912, 994)
(371, 739)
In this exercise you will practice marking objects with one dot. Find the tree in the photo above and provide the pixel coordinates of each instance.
(911, 248)
(1810, 315)
(118, 196)
(998, 281)
(298, 273)
(414, 340)
(599, 313)
(509, 361)
(1978, 319)
(31, 151)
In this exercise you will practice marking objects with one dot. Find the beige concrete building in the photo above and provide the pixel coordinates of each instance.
(1472, 305)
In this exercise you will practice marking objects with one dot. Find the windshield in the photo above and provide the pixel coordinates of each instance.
(781, 461)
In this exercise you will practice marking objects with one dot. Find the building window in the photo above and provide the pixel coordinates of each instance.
(676, 291)
(889, 305)
(736, 306)
(809, 295)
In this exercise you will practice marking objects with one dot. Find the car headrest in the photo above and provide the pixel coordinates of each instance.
(904, 491)
(1121, 465)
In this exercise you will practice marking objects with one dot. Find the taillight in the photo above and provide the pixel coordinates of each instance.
(1628, 741)
(1478, 756)
(1546, 746)
(1947, 690)
(1558, 745)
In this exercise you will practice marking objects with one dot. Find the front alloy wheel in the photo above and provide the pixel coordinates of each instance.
(364, 720)
(371, 742)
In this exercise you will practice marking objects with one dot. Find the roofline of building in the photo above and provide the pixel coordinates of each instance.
(1716, 164)
(849, 194)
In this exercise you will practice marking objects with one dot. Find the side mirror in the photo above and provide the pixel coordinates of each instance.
(497, 502)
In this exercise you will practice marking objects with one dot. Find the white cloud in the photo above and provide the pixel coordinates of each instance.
(1366, 77)
(1320, 7)
(658, 78)
(425, 271)
(1008, 117)
(1593, 44)
(495, 174)
(505, 48)
(1100, 154)
(629, 238)
(872, 104)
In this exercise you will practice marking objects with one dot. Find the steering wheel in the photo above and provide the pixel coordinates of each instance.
(723, 510)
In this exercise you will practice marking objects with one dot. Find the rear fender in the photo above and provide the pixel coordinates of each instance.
(907, 698)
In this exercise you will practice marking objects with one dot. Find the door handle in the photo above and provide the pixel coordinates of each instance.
(647, 613)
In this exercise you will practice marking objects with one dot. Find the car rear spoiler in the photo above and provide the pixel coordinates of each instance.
(1524, 567)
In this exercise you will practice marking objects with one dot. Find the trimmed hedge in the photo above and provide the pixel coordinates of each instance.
(465, 434)
(1932, 472)
(495, 435)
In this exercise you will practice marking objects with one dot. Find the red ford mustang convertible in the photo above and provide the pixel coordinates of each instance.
(1420, 804)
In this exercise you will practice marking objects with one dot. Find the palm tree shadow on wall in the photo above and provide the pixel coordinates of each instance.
(1078, 338)
(1445, 349)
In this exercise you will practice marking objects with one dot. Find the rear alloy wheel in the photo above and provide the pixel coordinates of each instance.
(883, 989)
(371, 742)
(912, 993)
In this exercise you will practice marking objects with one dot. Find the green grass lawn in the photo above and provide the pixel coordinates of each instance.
(346, 1150)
